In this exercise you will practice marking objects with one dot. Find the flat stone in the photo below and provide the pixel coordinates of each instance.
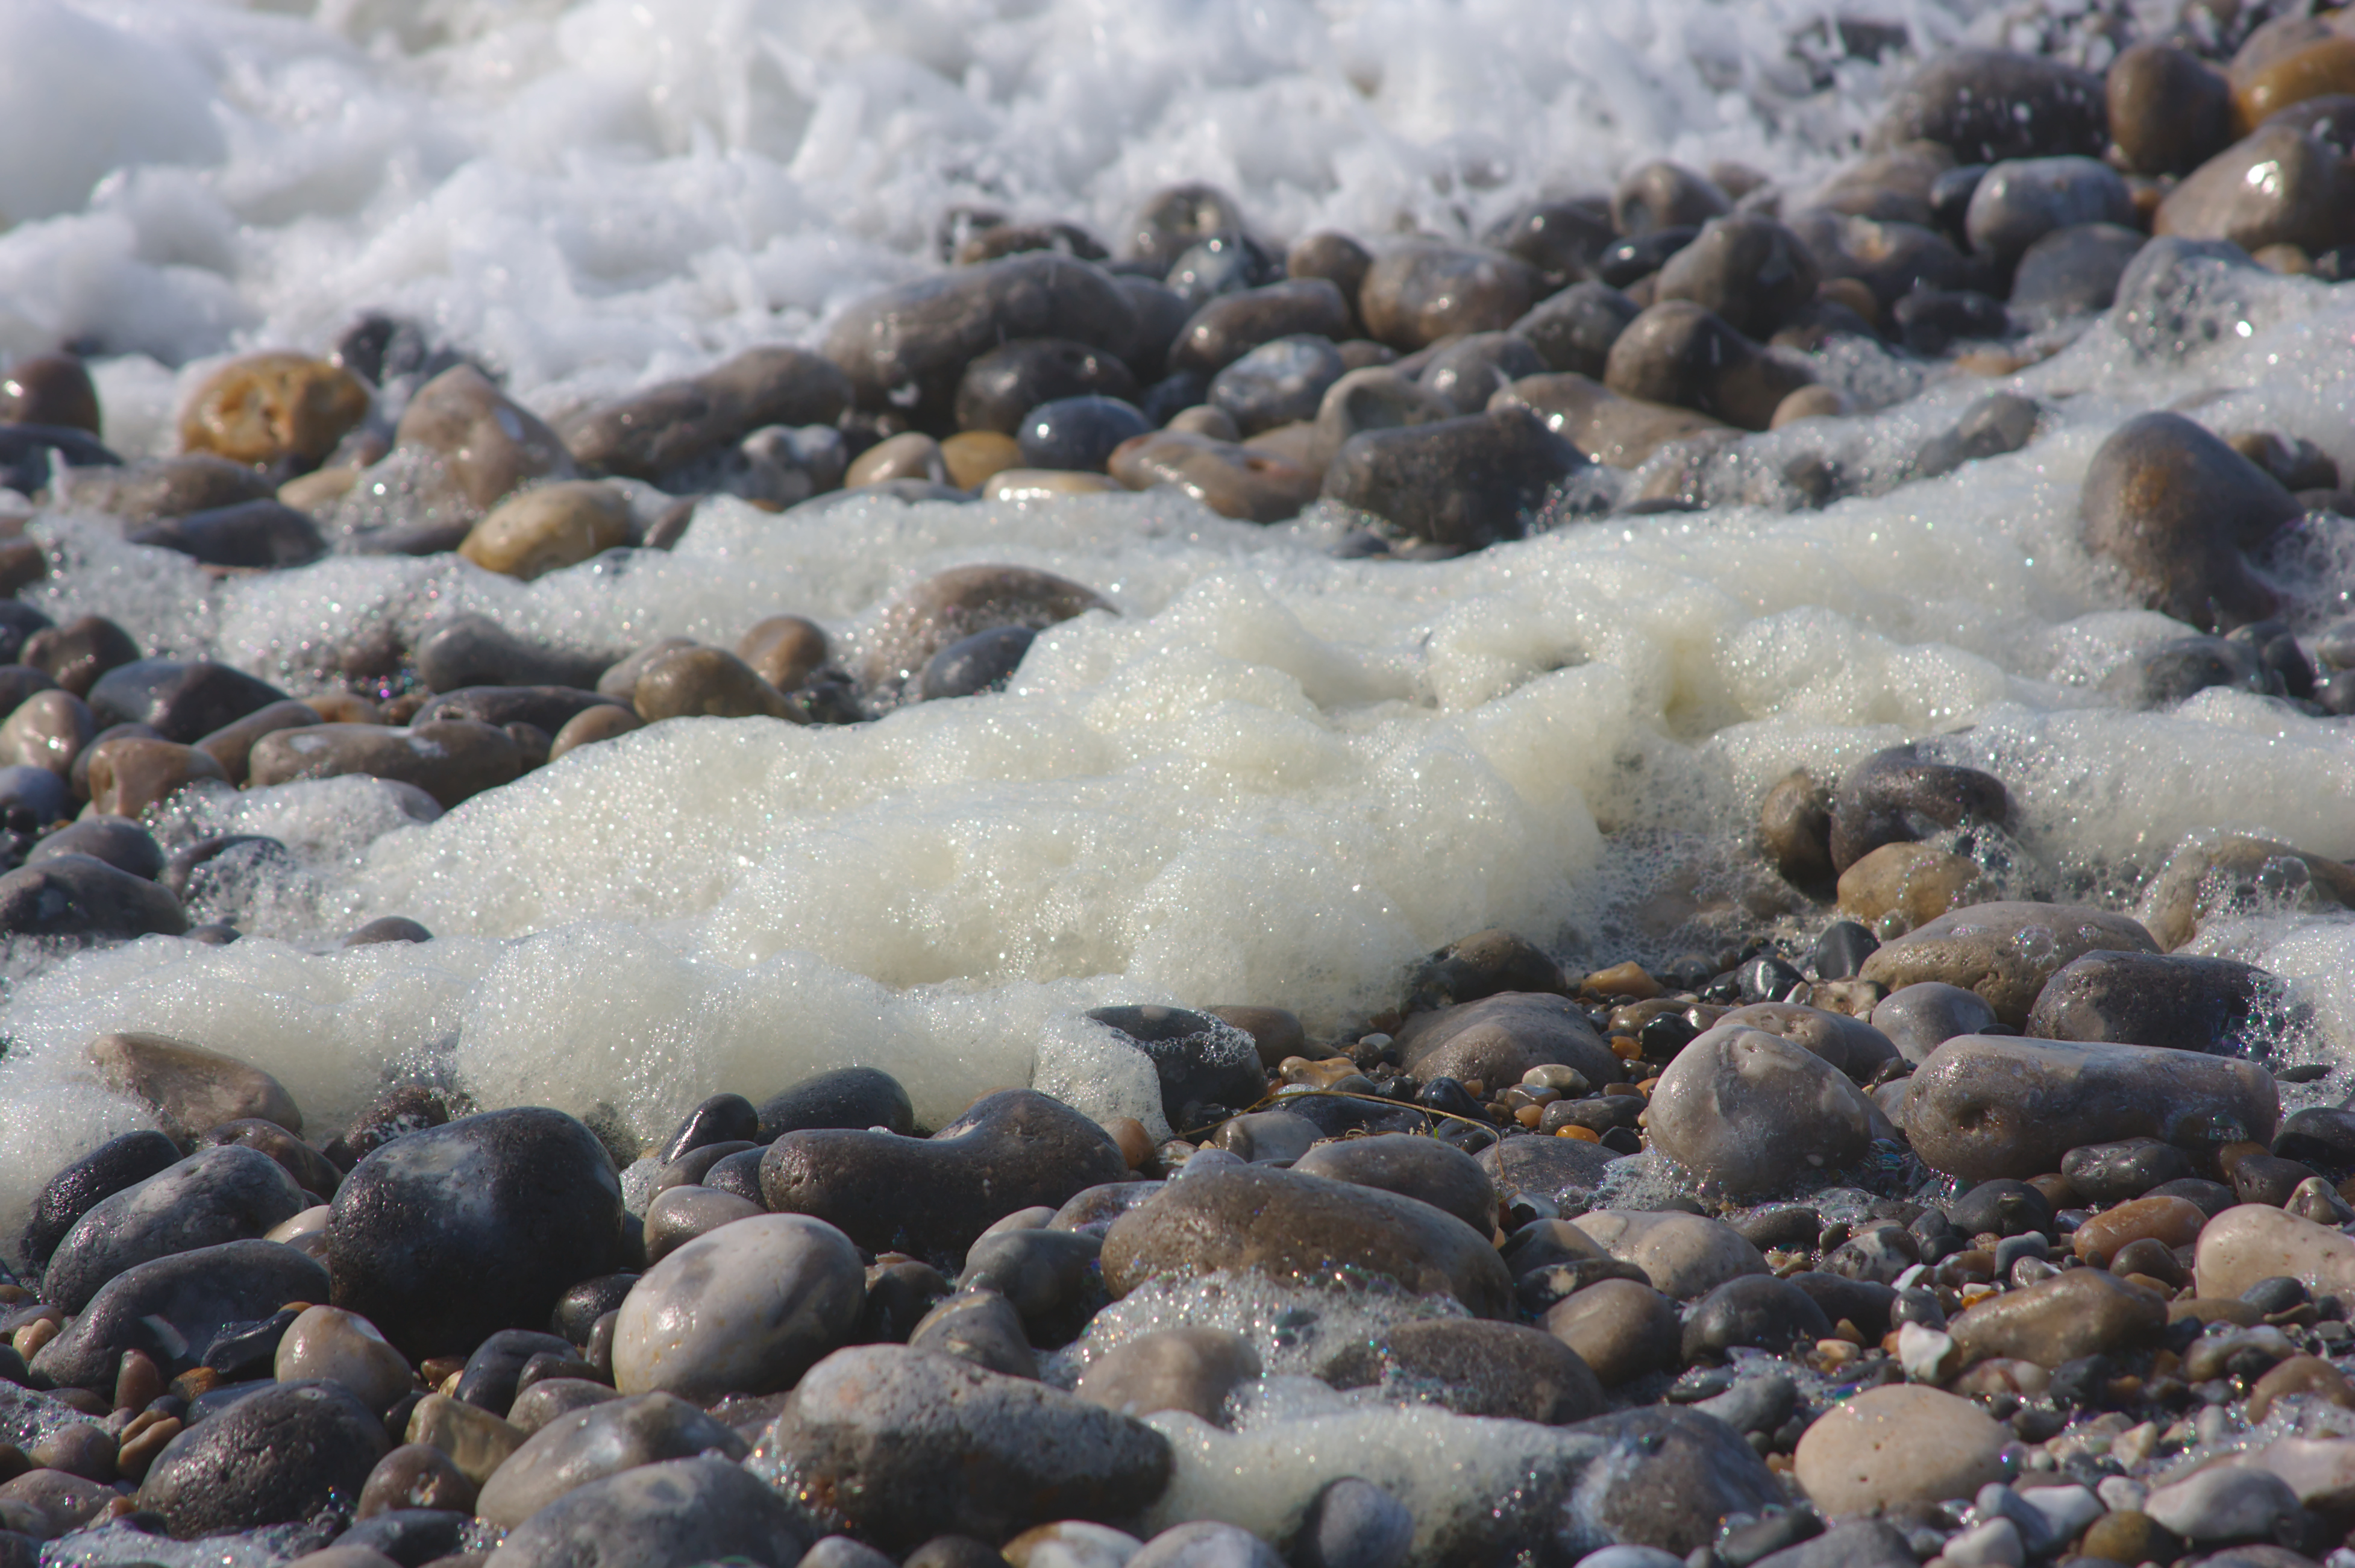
(1750, 1111)
(1304, 1230)
(602, 1440)
(1684, 1255)
(452, 760)
(214, 1196)
(451, 1232)
(899, 1445)
(1232, 480)
(1553, 1169)
(1984, 1106)
(745, 1310)
(190, 1089)
(2082, 1312)
(193, 1295)
(285, 1454)
(1888, 1447)
(671, 1515)
(2004, 951)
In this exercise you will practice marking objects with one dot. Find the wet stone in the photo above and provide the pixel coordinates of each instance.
(2299, 194)
(1222, 263)
(1187, 1369)
(2177, 1001)
(1423, 291)
(1562, 240)
(845, 1097)
(547, 529)
(980, 1326)
(195, 1295)
(704, 683)
(1011, 1151)
(900, 1445)
(588, 1446)
(745, 1310)
(1684, 1255)
(473, 650)
(1474, 1369)
(1466, 374)
(1890, 1447)
(2020, 200)
(954, 604)
(1919, 1017)
(326, 1345)
(1993, 425)
(264, 534)
(183, 701)
(2072, 271)
(50, 389)
(435, 1274)
(669, 1515)
(1232, 480)
(1679, 353)
(1048, 1276)
(1677, 1475)
(48, 730)
(1415, 476)
(1419, 1168)
(2115, 1172)
(215, 1196)
(1759, 1312)
(1750, 1111)
(415, 1476)
(2170, 112)
(264, 408)
(1001, 386)
(1303, 1227)
(1279, 382)
(654, 433)
(1232, 325)
(282, 1455)
(1989, 104)
(1196, 1059)
(76, 896)
(486, 443)
(1573, 330)
(1749, 270)
(1499, 1037)
(451, 759)
(2004, 951)
(1078, 433)
(113, 1166)
(1662, 195)
(1986, 1106)
(129, 777)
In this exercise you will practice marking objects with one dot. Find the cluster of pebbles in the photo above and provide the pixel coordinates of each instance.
(1971, 1232)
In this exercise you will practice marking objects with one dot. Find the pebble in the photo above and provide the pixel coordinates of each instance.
(214, 1196)
(260, 409)
(2207, 877)
(1473, 1367)
(1921, 1017)
(472, 650)
(48, 730)
(1231, 479)
(1662, 195)
(182, 701)
(325, 1344)
(1888, 1447)
(1750, 1111)
(2277, 186)
(547, 529)
(2170, 112)
(922, 336)
(954, 604)
(476, 1441)
(2228, 1502)
(261, 535)
(1498, 1039)
(1622, 432)
(1011, 1151)
(845, 1097)
(2252, 1243)
(589, 1445)
(980, 1326)
(1279, 382)
(1756, 1312)
(488, 445)
(1354, 1523)
(2020, 200)
(704, 683)
(1466, 374)
(1419, 1167)
(1422, 291)
(1748, 270)
(76, 896)
(2083, 1312)
(2176, 1001)
(1684, 1255)
(2173, 507)
(73, 1191)
(452, 760)
(1415, 476)
(2072, 271)
(899, 1445)
(2004, 950)
(50, 389)
(658, 432)
(416, 1476)
(744, 1309)
(276, 1456)
(1675, 1476)
(1984, 1106)
(1897, 887)
(128, 776)
(1986, 105)
(1197, 1059)
(1205, 1543)
(1573, 331)
(451, 1232)
(1187, 1369)
(191, 1090)
(1679, 353)
(1232, 325)
(669, 1515)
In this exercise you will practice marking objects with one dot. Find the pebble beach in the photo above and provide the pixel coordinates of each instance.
(1003, 783)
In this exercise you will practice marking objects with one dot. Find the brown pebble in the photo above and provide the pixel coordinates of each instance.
(51, 389)
(140, 1447)
(416, 1476)
(783, 649)
(138, 1382)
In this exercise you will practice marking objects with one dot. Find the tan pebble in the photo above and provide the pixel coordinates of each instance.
(316, 491)
(971, 457)
(783, 649)
(912, 455)
(1203, 419)
(139, 1450)
(1809, 403)
(129, 774)
(549, 528)
(1037, 484)
(592, 725)
(264, 407)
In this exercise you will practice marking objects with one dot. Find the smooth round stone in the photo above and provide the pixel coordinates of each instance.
(452, 760)
(679, 1214)
(602, 1440)
(284, 1453)
(980, 1326)
(194, 1293)
(669, 1515)
(973, 457)
(1422, 290)
(262, 408)
(746, 1309)
(1078, 433)
(1192, 1370)
(487, 444)
(1985, 1106)
(398, 1536)
(1291, 1227)
(415, 1476)
(1681, 354)
(2277, 187)
(1269, 1137)
(1574, 331)
(48, 730)
(1898, 886)
(1751, 1112)
(924, 334)
(1684, 1255)
(80, 896)
(551, 1398)
(2252, 1243)
(1353, 1524)
(2072, 271)
(1279, 382)
(591, 725)
(447, 1234)
(1674, 1473)
(1881, 800)
(1175, 216)
(128, 776)
(2020, 200)
(1374, 398)
(214, 1196)
(1049, 1275)
(905, 1445)
(2225, 1502)
(845, 1097)
(1630, 1557)
(473, 650)
(1205, 1543)
(327, 1344)
(50, 389)
(2201, 880)
(1920, 1018)
(1466, 374)
(2173, 506)
(1232, 325)
(911, 456)
(705, 682)
(1232, 480)
(2171, 672)
(232, 746)
(1846, 1044)
(2082, 1312)
(783, 650)
(1757, 1311)
(1497, 1039)
(1988, 104)
(984, 662)
(2140, 999)
(549, 707)
(1001, 386)
(1474, 1369)
(2004, 951)
(264, 535)
(32, 798)
(1749, 270)
(668, 427)
(1423, 476)
(1888, 1447)
(2171, 1221)
(1562, 238)
(115, 1164)
(182, 701)
(2115, 1172)
(954, 604)
(1662, 195)
(1421, 1168)
(2170, 112)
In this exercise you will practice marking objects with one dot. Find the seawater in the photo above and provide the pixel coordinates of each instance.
(1271, 776)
